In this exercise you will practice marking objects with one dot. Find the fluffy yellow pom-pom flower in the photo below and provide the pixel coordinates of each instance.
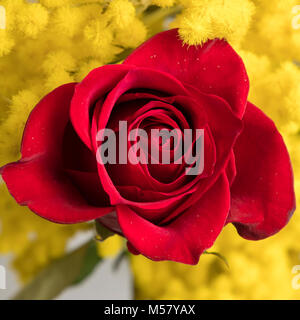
(58, 60)
(274, 31)
(121, 13)
(68, 20)
(194, 26)
(99, 33)
(6, 43)
(224, 19)
(32, 19)
(128, 39)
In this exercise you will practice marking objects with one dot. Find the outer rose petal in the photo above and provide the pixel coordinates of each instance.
(263, 198)
(213, 68)
(184, 239)
(38, 179)
(93, 87)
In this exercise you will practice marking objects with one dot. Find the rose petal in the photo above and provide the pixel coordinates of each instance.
(184, 239)
(231, 169)
(263, 197)
(76, 155)
(136, 78)
(92, 88)
(212, 68)
(38, 179)
(89, 185)
(179, 106)
(225, 128)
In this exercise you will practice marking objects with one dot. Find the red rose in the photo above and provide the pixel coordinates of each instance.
(164, 213)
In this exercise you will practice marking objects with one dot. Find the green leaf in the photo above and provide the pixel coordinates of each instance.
(90, 261)
(61, 273)
(102, 232)
(220, 256)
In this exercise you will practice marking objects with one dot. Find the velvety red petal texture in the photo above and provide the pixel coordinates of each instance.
(38, 179)
(95, 85)
(212, 68)
(224, 124)
(263, 198)
(136, 78)
(231, 168)
(186, 237)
